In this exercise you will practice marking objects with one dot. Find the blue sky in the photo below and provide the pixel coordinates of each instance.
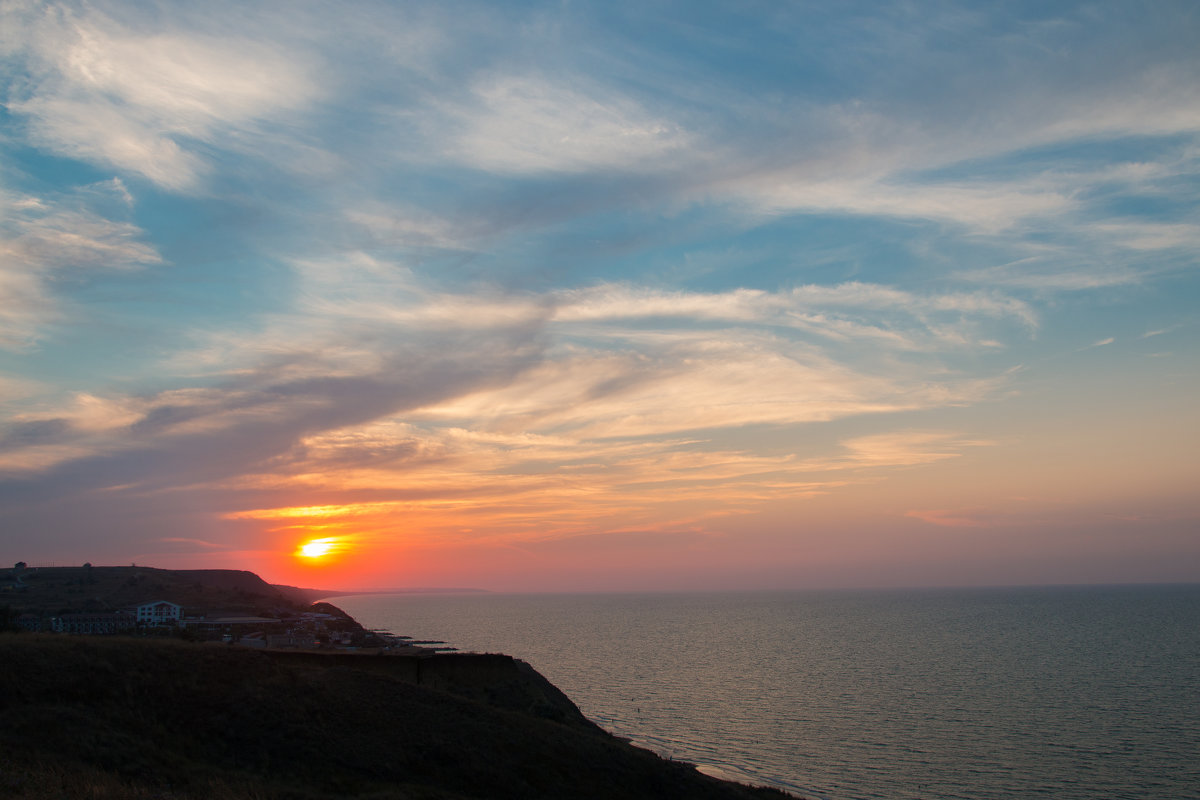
(580, 295)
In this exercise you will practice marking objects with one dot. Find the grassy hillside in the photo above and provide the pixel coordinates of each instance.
(53, 590)
(90, 717)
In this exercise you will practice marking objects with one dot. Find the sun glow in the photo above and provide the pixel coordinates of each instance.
(316, 548)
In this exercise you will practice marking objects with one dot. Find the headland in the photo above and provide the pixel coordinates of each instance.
(152, 712)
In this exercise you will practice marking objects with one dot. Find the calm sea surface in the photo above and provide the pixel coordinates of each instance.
(1067, 693)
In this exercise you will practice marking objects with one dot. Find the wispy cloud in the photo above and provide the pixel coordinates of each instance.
(1152, 235)
(803, 306)
(534, 124)
(148, 101)
(552, 414)
(1044, 274)
(989, 208)
(908, 448)
(691, 382)
(45, 238)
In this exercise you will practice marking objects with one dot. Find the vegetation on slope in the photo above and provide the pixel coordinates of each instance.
(56, 590)
(105, 718)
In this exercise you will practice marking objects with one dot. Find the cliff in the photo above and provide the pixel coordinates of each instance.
(141, 718)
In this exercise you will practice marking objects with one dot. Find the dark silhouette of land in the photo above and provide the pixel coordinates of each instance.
(105, 717)
(50, 590)
(98, 588)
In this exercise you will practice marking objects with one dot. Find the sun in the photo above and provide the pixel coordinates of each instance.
(316, 548)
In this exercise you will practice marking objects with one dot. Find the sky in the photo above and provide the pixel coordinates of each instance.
(590, 296)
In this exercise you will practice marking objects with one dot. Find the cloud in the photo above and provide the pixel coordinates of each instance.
(1027, 138)
(139, 100)
(391, 401)
(593, 429)
(185, 445)
(526, 488)
(798, 307)
(452, 483)
(467, 279)
(1152, 235)
(532, 124)
(991, 208)
(691, 382)
(907, 448)
(616, 360)
(101, 133)
(410, 227)
(626, 361)
(1044, 274)
(43, 238)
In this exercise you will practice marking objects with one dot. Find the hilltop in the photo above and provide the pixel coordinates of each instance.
(51, 590)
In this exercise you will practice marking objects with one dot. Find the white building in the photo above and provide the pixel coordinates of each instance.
(158, 612)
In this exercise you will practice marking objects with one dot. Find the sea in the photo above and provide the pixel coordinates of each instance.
(1074, 693)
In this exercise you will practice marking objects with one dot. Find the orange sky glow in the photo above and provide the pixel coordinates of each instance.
(589, 297)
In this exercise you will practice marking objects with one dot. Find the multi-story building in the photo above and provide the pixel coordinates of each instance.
(157, 612)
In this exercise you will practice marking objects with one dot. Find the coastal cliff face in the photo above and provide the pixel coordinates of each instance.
(133, 718)
(496, 680)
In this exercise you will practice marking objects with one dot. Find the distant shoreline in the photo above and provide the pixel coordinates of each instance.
(314, 595)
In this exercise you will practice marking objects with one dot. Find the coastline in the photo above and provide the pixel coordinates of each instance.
(120, 717)
(180, 711)
(828, 692)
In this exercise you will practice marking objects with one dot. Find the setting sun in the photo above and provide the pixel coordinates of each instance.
(316, 548)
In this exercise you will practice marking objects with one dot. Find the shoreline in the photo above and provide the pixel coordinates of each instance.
(151, 718)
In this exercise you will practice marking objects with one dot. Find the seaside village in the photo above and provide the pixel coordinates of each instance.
(306, 630)
(26, 592)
